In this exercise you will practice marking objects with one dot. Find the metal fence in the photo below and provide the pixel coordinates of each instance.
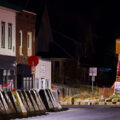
(67, 91)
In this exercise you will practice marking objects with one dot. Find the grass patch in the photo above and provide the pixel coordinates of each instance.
(115, 96)
(85, 87)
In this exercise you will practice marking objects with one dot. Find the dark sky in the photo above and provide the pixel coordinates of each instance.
(72, 18)
(77, 18)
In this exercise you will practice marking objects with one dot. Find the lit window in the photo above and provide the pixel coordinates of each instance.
(2, 34)
(29, 43)
(29, 39)
(21, 39)
(9, 36)
(20, 42)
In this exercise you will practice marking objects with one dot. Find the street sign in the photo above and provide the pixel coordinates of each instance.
(118, 46)
(92, 71)
(33, 60)
(43, 70)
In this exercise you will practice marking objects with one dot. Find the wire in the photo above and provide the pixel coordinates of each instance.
(65, 36)
(63, 49)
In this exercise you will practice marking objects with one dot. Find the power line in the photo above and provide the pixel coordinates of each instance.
(65, 36)
(63, 49)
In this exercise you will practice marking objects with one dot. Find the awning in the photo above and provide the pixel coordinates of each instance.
(7, 62)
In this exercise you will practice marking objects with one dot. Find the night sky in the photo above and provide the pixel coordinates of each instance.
(73, 22)
(72, 18)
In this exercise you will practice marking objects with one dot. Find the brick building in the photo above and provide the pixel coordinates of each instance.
(25, 47)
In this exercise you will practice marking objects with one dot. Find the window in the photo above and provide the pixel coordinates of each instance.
(47, 83)
(29, 43)
(37, 83)
(21, 39)
(2, 34)
(9, 36)
(20, 42)
(31, 85)
(29, 39)
(25, 83)
(41, 84)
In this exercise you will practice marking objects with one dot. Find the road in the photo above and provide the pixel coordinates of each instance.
(82, 113)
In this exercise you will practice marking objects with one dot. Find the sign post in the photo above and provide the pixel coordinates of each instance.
(33, 61)
(33, 72)
(93, 73)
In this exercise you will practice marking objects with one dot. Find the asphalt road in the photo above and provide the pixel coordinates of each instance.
(82, 113)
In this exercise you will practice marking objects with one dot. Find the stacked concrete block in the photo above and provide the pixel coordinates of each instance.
(23, 103)
(27, 100)
(23, 100)
(38, 101)
(49, 101)
(9, 103)
(55, 103)
(114, 100)
(32, 101)
(46, 100)
(7, 110)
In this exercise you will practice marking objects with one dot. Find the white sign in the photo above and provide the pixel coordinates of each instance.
(117, 86)
(92, 71)
(43, 70)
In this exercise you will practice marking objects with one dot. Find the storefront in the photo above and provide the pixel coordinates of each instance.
(7, 72)
(24, 77)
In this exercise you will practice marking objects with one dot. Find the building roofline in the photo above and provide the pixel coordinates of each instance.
(29, 12)
(6, 8)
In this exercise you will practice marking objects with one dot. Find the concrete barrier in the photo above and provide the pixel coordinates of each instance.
(32, 101)
(8, 101)
(41, 102)
(56, 103)
(46, 100)
(38, 101)
(49, 101)
(14, 102)
(52, 99)
(2, 109)
(54, 94)
(23, 103)
(7, 110)
(23, 100)
(27, 100)
(19, 103)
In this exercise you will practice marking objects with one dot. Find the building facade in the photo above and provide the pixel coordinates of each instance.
(25, 47)
(43, 74)
(7, 46)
